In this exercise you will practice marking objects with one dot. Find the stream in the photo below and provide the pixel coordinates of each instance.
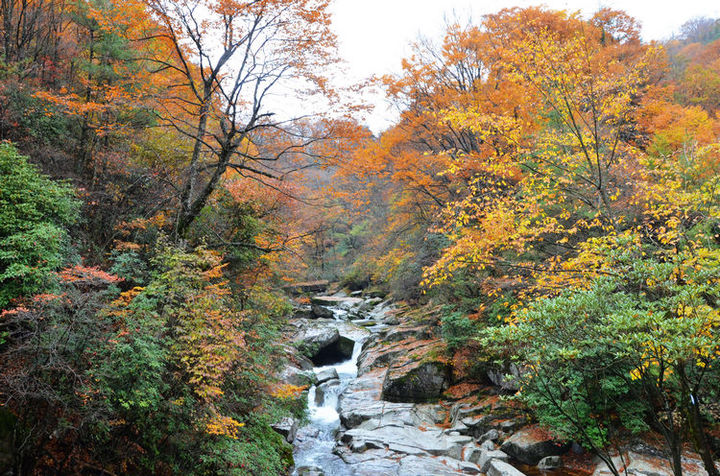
(316, 441)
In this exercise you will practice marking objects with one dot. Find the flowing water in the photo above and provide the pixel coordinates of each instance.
(315, 442)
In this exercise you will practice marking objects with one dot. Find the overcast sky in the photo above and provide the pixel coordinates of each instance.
(374, 34)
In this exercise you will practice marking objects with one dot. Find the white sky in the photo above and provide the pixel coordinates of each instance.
(374, 34)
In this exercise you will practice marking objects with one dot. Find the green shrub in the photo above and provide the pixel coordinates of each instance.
(34, 214)
(457, 329)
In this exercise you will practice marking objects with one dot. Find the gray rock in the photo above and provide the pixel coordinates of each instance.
(645, 465)
(416, 382)
(295, 376)
(310, 471)
(287, 427)
(321, 312)
(487, 445)
(487, 457)
(342, 302)
(506, 377)
(602, 469)
(322, 390)
(549, 463)
(471, 453)
(327, 374)
(529, 447)
(312, 337)
(491, 435)
(408, 439)
(501, 468)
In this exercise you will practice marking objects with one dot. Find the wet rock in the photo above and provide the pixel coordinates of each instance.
(501, 468)
(321, 312)
(549, 463)
(487, 457)
(416, 381)
(322, 390)
(530, 445)
(287, 427)
(303, 312)
(338, 351)
(327, 374)
(342, 302)
(313, 337)
(310, 471)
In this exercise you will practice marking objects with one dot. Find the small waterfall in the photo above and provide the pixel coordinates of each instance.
(315, 441)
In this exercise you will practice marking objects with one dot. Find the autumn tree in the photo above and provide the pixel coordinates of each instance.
(228, 57)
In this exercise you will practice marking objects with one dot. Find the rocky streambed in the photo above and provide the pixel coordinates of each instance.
(381, 402)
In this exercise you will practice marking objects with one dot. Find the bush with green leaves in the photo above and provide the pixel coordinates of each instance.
(636, 351)
(35, 212)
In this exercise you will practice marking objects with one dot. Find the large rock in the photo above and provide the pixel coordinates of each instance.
(487, 457)
(287, 427)
(321, 391)
(342, 302)
(416, 381)
(321, 312)
(549, 463)
(323, 344)
(327, 374)
(295, 376)
(311, 338)
(406, 439)
(501, 468)
(506, 377)
(531, 444)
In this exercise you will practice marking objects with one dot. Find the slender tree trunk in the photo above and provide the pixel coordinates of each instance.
(691, 409)
(186, 198)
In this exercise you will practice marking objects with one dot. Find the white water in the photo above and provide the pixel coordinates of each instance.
(315, 441)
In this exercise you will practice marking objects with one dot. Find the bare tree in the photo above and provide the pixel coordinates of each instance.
(229, 57)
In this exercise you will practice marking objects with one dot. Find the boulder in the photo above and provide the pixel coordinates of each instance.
(310, 471)
(416, 381)
(321, 312)
(311, 338)
(337, 351)
(322, 390)
(549, 463)
(506, 377)
(323, 344)
(287, 427)
(501, 468)
(531, 444)
(327, 374)
(645, 465)
(342, 302)
(294, 376)
(490, 435)
(487, 457)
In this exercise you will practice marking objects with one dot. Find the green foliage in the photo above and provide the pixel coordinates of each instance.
(457, 329)
(34, 214)
(636, 350)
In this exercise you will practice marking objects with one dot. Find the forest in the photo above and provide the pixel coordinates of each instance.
(542, 223)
